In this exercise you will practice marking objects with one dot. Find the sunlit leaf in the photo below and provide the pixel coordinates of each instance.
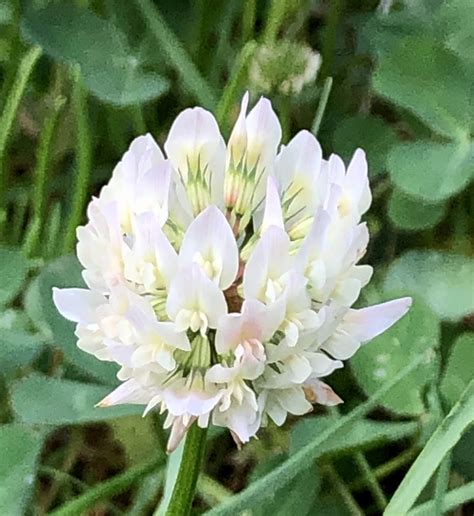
(20, 447)
(110, 68)
(431, 171)
(444, 280)
(48, 401)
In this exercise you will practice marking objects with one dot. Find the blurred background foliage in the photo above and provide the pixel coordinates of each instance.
(79, 79)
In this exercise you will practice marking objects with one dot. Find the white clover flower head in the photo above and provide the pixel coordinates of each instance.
(221, 277)
(284, 67)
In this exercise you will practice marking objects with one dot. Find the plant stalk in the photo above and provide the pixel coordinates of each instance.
(189, 468)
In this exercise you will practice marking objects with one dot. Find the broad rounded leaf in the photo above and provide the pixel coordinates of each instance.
(415, 76)
(110, 69)
(411, 214)
(13, 270)
(48, 401)
(17, 349)
(431, 171)
(368, 132)
(444, 280)
(459, 369)
(20, 447)
(381, 359)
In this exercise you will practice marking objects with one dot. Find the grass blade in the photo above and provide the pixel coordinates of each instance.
(441, 442)
(280, 476)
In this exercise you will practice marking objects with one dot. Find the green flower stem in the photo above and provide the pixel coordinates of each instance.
(41, 174)
(112, 487)
(322, 106)
(248, 20)
(371, 480)
(176, 55)
(276, 14)
(7, 117)
(453, 499)
(344, 492)
(83, 162)
(189, 468)
(235, 82)
(442, 481)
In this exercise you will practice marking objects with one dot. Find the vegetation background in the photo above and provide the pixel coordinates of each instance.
(80, 79)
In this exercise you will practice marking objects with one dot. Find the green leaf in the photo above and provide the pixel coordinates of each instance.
(369, 132)
(458, 371)
(409, 214)
(381, 359)
(364, 434)
(64, 272)
(443, 280)
(17, 349)
(431, 171)
(137, 436)
(441, 442)
(13, 270)
(48, 401)
(256, 493)
(415, 76)
(110, 69)
(20, 447)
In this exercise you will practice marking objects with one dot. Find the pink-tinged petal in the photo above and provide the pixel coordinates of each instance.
(366, 323)
(238, 137)
(78, 304)
(272, 215)
(178, 431)
(320, 392)
(128, 392)
(209, 241)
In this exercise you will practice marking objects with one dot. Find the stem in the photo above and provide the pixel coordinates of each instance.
(371, 480)
(112, 487)
(83, 162)
(275, 16)
(343, 490)
(248, 20)
(176, 55)
(322, 106)
(442, 481)
(11, 107)
(193, 453)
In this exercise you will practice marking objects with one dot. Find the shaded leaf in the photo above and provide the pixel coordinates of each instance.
(443, 280)
(379, 360)
(42, 400)
(368, 132)
(13, 270)
(412, 214)
(17, 349)
(459, 369)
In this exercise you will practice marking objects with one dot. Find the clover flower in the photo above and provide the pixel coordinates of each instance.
(221, 278)
(284, 67)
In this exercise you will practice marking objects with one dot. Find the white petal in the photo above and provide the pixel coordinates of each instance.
(209, 239)
(128, 392)
(366, 323)
(272, 215)
(358, 180)
(78, 304)
(341, 345)
(322, 365)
